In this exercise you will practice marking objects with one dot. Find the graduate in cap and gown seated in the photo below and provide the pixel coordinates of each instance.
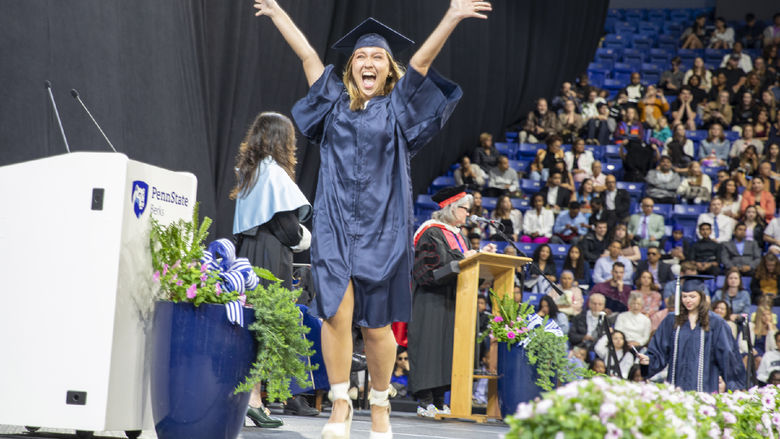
(368, 122)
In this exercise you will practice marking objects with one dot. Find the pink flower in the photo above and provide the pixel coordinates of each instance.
(242, 299)
(203, 268)
(156, 276)
(179, 283)
(192, 291)
(498, 319)
(203, 278)
(219, 289)
(177, 264)
(165, 269)
(510, 335)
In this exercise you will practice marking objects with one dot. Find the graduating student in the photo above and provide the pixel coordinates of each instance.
(368, 121)
(698, 347)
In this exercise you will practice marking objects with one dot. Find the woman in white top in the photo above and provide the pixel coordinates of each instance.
(739, 145)
(696, 187)
(571, 302)
(511, 219)
(699, 70)
(732, 199)
(624, 355)
(538, 222)
(634, 324)
(579, 161)
(722, 37)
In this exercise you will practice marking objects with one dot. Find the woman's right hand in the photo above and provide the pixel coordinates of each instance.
(266, 7)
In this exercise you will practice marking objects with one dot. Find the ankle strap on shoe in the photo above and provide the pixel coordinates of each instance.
(339, 391)
(378, 398)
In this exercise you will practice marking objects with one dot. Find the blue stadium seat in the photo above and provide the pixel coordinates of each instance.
(609, 25)
(623, 78)
(714, 56)
(657, 16)
(688, 55)
(712, 171)
(667, 42)
(489, 203)
(507, 149)
(598, 151)
(529, 149)
(634, 16)
(682, 15)
(615, 13)
(651, 73)
(614, 41)
(719, 281)
(665, 210)
(642, 42)
(559, 252)
(521, 204)
(602, 65)
(441, 182)
(607, 55)
(527, 247)
(532, 298)
(673, 28)
(731, 135)
(689, 211)
(511, 136)
(624, 26)
(696, 136)
(596, 77)
(633, 56)
(529, 186)
(424, 201)
(518, 165)
(661, 57)
(612, 152)
(635, 190)
(649, 27)
(613, 167)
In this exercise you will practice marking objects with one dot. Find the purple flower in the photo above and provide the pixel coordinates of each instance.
(192, 291)
(510, 335)
(156, 276)
(179, 283)
(203, 268)
(203, 278)
(498, 319)
(177, 264)
(165, 269)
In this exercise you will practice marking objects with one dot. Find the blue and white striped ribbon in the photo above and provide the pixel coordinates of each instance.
(235, 313)
(534, 320)
(236, 274)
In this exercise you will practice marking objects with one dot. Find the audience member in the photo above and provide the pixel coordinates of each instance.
(585, 195)
(763, 328)
(630, 128)
(599, 178)
(579, 161)
(595, 242)
(543, 259)
(770, 363)
(696, 187)
(580, 268)
(588, 107)
(647, 228)
(660, 272)
(676, 248)
(486, 155)
(616, 201)
(762, 199)
(730, 198)
(652, 106)
(772, 32)
(469, 174)
(555, 196)
(625, 357)
(745, 111)
(661, 133)
(614, 289)
(744, 166)
(699, 94)
(695, 36)
(737, 54)
(648, 289)
(754, 227)
(700, 70)
(766, 279)
(584, 326)
(571, 302)
(722, 309)
(547, 308)
(687, 268)
(599, 129)
(538, 222)
(633, 323)
(739, 253)
(569, 122)
(662, 183)
(679, 148)
(510, 219)
(570, 225)
(400, 378)
(716, 147)
(722, 224)
(603, 267)
(771, 234)
(546, 158)
(598, 366)
(635, 90)
(734, 75)
(659, 317)
(627, 246)
(638, 157)
(566, 94)
(705, 252)
(762, 126)
(539, 124)
(772, 156)
(733, 293)
(750, 35)
(684, 109)
(718, 110)
(476, 207)
(502, 180)
(722, 36)
(672, 79)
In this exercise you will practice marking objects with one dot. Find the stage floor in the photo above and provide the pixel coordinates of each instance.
(405, 426)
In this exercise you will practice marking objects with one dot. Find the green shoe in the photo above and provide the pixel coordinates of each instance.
(261, 419)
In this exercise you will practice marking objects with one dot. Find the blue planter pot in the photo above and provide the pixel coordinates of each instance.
(517, 379)
(198, 358)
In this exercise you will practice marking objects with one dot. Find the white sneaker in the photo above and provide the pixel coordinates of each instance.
(446, 410)
(425, 413)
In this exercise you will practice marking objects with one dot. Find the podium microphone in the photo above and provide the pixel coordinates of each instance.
(76, 96)
(47, 83)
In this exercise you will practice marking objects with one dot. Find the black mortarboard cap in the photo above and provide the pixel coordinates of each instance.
(372, 33)
(694, 282)
(448, 195)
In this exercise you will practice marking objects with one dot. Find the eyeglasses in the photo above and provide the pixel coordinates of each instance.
(464, 208)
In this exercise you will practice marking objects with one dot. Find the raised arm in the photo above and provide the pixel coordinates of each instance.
(458, 10)
(312, 65)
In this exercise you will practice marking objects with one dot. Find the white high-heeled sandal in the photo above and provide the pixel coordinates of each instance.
(381, 399)
(338, 430)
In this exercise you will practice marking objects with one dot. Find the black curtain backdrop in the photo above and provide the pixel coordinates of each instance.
(176, 83)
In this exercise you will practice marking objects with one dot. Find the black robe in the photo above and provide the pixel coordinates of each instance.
(433, 311)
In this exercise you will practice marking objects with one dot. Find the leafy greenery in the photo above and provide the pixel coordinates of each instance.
(545, 350)
(177, 250)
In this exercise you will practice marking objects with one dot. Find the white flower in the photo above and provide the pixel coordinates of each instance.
(567, 391)
(707, 398)
(727, 433)
(776, 419)
(707, 410)
(607, 411)
(714, 432)
(729, 418)
(613, 432)
(543, 406)
(688, 432)
(559, 435)
(768, 402)
(524, 410)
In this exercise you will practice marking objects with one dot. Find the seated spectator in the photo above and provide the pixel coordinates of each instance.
(718, 110)
(772, 156)
(510, 218)
(744, 166)
(625, 357)
(547, 308)
(772, 32)
(716, 147)
(695, 36)
(486, 155)
(754, 227)
(672, 79)
(614, 289)
(633, 323)
(546, 158)
(722, 309)
(647, 228)
(589, 109)
(630, 128)
(635, 90)
(739, 253)
(661, 133)
(762, 125)
(570, 225)
(469, 174)
(754, 87)
(555, 196)
(676, 248)
(638, 157)
(722, 225)
(616, 201)
(599, 178)
(737, 54)
(705, 252)
(762, 199)
(476, 206)
(595, 242)
(679, 149)
(539, 124)
(723, 36)
(475, 240)
(597, 366)
(730, 197)
(571, 301)
(698, 93)
(662, 183)
(583, 328)
(687, 268)
(648, 289)
(769, 178)
(719, 86)
(569, 122)
(769, 102)
(763, 328)
(579, 161)
(502, 180)
(696, 187)
(585, 195)
(733, 293)
(746, 110)
(770, 363)
(566, 94)
(599, 129)
(766, 280)
(659, 317)
(652, 106)
(604, 266)
(733, 75)
(750, 35)
(661, 272)
(580, 268)
(543, 259)
(567, 181)
(627, 246)
(700, 70)
(684, 109)
(538, 222)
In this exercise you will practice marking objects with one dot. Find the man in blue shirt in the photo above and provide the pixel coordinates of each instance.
(570, 226)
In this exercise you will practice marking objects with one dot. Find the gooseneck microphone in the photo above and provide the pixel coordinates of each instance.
(76, 96)
(479, 219)
(47, 83)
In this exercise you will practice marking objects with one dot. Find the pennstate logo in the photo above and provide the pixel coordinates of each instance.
(138, 195)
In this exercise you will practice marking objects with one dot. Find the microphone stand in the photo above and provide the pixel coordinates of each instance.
(612, 360)
(750, 378)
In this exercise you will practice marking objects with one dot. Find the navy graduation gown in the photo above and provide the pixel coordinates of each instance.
(363, 215)
(720, 356)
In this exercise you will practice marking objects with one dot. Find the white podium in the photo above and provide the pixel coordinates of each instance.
(75, 300)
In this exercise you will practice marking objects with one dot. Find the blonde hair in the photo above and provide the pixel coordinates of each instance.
(356, 99)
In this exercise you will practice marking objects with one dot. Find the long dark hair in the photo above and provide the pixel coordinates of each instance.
(579, 270)
(538, 252)
(702, 310)
(722, 190)
(552, 308)
(271, 135)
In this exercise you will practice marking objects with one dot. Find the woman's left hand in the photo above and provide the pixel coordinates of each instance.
(490, 248)
(469, 8)
(470, 253)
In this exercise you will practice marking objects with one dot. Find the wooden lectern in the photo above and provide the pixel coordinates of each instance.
(501, 269)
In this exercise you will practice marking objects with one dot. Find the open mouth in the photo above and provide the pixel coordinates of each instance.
(369, 80)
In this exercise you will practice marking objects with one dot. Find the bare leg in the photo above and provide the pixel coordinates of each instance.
(337, 349)
(380, 356)
(255, 399)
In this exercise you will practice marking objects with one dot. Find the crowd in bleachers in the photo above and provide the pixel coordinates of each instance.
(661, 159)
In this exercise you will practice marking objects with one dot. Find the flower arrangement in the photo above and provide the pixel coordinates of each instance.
(184, 273)
(604, 407)
(518, 324)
